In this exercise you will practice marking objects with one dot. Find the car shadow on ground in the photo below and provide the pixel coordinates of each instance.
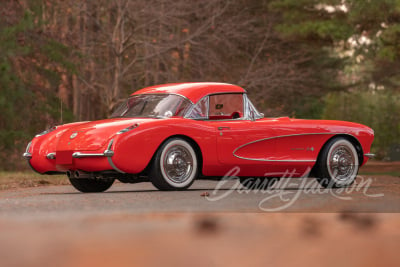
(211, 189)
(134, 191)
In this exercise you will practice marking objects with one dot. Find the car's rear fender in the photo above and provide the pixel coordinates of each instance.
(191, 141)
(42, 145)
(134, 151)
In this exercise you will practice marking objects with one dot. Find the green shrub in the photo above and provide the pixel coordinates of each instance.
(379, 110)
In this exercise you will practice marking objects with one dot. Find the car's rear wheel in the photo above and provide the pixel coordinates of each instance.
(258, 183)
(175, 165)
(338, 164)
(91, 185)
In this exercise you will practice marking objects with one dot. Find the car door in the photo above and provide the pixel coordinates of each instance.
(245, 142)
(240, 140)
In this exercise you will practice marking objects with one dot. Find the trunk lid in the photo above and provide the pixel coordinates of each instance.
(94, 135)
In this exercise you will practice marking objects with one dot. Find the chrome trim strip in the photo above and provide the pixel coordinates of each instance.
(277, 160)
(369, 155)
(79, 155)
(186, 116)
(51, 155)
(27, 155)
(246, 109)
(239, 119)
(107, 153)
(162, 94)
(249, 105)
(113, 165)
(47, 131)
(280, 136)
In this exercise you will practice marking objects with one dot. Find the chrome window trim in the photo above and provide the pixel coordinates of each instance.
(248, 107)
(186, 116)
(163, 94)
(190, 101)
(245, 99)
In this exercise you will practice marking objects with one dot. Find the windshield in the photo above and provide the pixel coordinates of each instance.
(157, 105)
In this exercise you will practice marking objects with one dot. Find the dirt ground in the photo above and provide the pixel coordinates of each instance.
(381, 167)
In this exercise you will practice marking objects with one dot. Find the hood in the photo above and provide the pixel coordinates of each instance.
(95, 134)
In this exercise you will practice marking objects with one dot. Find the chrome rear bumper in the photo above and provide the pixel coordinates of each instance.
(27, 155)
(107, 153)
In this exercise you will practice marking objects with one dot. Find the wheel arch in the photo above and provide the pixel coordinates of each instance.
(353, 140)
(188, 139)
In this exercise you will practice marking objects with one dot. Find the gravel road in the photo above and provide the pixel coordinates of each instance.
(295, 195)
(137, 225)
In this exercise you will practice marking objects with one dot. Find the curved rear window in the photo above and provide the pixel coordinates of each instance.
(153, 105)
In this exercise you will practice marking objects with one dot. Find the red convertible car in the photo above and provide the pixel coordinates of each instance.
(172, 134)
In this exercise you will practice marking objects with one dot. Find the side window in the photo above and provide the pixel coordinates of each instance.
(226, 107)
(199, 111)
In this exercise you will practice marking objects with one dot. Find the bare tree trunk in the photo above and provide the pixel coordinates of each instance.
(75, 96)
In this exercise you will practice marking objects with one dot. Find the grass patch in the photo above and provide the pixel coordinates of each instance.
(15, 180)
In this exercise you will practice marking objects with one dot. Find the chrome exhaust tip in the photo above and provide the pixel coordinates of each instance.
(79, 174)
(69, 174)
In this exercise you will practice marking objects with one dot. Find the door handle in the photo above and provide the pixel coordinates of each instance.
(223, 128)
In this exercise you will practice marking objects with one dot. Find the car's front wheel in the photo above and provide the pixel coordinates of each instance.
(175, 165)
(338, 164)
(91, 185)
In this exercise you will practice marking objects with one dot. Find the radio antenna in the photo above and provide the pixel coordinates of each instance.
(61, 111)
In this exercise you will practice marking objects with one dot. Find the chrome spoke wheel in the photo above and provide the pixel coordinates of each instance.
(341, 163)
(175, 165)
(178, 164)
(338, 163)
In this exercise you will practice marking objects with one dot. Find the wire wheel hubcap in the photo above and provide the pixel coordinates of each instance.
(342, 163)
(178, 164)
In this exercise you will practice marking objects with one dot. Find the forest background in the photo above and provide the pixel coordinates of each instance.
(69, 60)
